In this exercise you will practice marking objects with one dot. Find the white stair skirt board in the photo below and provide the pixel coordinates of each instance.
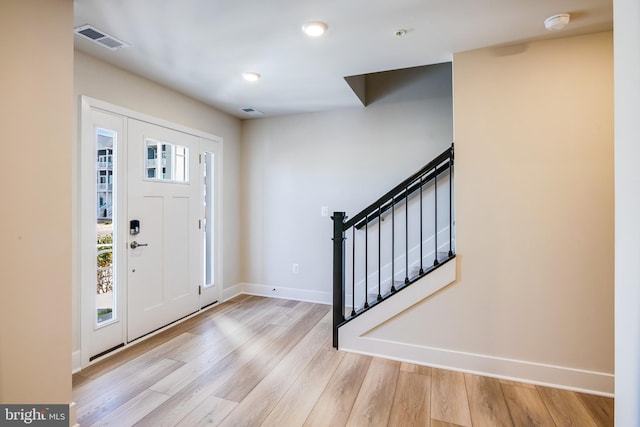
(353, 333)
(352, 337)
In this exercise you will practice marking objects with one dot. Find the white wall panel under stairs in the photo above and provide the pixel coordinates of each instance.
(353, 335)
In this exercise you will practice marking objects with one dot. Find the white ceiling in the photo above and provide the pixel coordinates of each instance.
(201, 47)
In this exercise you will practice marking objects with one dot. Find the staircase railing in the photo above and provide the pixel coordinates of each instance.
(373, 260)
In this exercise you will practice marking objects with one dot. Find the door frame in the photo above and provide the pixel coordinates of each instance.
(86, 213)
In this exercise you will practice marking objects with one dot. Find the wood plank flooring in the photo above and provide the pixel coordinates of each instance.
(268, 362)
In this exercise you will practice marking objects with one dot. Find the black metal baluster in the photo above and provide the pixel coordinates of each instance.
(421, 267)
(353, 271)
(379, 257)
(450, 203)
(436, 166)
(435, 216)
(406, 235)
(366, 261)
(393, 243)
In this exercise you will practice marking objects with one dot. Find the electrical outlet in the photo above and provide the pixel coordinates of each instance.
(324, 211)
(295, 268)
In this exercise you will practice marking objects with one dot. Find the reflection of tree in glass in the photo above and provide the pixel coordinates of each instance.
(104, 263)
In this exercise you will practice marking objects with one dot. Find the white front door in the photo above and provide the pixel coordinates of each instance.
(168, 178)
(164, 214)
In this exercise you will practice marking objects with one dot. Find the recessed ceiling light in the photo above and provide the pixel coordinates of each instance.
(557, 22)
(251, 76)
(314, 28)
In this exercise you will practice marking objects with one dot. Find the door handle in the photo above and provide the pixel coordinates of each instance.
(135, 244)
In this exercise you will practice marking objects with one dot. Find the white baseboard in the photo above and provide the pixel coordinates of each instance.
(73, 415)
(232, 291)
(76, 363)
(319, 297)
(600, 383)
(354, 337)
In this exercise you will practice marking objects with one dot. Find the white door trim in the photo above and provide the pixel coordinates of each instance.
(115, 109)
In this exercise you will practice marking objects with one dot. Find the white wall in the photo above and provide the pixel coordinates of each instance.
(345, 160)
(627, 154)
(534, 216)
(35, 208)
(99, 80)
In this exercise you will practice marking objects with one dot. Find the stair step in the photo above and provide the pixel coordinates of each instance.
(385, 291)
(372, 298)
(415, 271)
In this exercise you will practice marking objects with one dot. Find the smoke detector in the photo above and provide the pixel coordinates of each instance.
(557, 22)
(100, 37)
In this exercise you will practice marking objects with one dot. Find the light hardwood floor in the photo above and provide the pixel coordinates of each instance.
(268, 362)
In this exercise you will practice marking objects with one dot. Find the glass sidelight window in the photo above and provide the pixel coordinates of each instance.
(166, 162)
(105, 297)
(209, 219)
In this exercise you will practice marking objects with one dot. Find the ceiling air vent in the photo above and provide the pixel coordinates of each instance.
(100, 37)
(252, 111)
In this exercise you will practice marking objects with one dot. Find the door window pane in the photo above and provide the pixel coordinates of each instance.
(209, 218)
(166, 162)
(105, 208)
